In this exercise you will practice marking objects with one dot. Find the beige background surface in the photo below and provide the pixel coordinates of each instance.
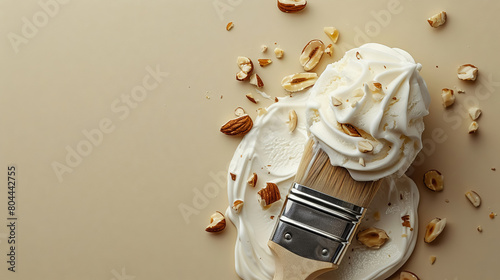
(69, 67)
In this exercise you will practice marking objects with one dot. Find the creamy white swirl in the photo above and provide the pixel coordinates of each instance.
(378, 91)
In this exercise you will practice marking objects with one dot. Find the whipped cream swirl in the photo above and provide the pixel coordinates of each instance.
(366, 111)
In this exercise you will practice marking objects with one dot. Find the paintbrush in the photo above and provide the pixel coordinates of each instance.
(319, 217)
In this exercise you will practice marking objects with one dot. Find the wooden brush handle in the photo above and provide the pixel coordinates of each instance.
(290, 266)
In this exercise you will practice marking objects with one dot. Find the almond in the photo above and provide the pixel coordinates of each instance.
(252, 180)
(291, 6)
(311, 54)
(246, 67)
(237, 206)
(437, 19)
(467, 72)
(434, 229)
(448, 97)
(299, 81)
(256, 81)
(279, 53)
(350, 130)
(434, 180)
(269, 194)
(329, 50)
(251, 98)
(406, 275)
(264, 61)
(474, 198)
(217, 222)
(229, 26)
(292, 120)
(332, 32)
(372, 237)
(238, 126)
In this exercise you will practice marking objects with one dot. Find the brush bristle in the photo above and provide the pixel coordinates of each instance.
(316, 172)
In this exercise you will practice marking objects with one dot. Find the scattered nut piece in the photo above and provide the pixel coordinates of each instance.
(276, 99)
(269, 194)
(256, 81)
(292, 120)
(467, 72)
(358, 55)
(406, 275)
(238, 126)
(474, 113)
(372, 237)
(261, 111)
(365, 146)
(432, 259)
(217, 222)
(299, 81)
(437, 19)
(329, 50)
(237, 206)
(479, 228)
(473, 127)
(311, 54)
(291, 6)
(434, 180)
(332, 32)
(252, 180)
(406, 221)
(264, 61)
(492, 215)
(448, 97)
(434, 229)
(279, 52)
(336, 102)
(474, 198)
(362, 162)
(246, 67)
(239, 111)
(263, 48)
(229, 26)
(375, 86)
(251, 98)
(233, 176)
(350, 130)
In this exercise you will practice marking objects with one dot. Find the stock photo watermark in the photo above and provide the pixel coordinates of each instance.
(32, 25)
(455, 119)
(225, 6)
(121, 107)
(202, 196)
(121, 275)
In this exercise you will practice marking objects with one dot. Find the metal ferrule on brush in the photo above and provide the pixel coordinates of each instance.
(316, 226)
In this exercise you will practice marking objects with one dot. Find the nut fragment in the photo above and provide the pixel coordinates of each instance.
(251, 98)
(336, 102)
(332, 32)
(256, 81)
(474, 198)
(358, 55)
(362, 162)
(237, 206)
(311, 54)
(372, 237)
(239, 111)
(252, 180)
(350, 130)
(279, 52)
(291, 6)
(432, 259)
(269, 194)
(406, 275)
(479, 228)
(229, 26)
(434, 180)
(365, 146)
(233, 176)
(406, 221)
(474, 113)
(448, 97)
(264, 61)
(437, 19)
(375, 86)
(261, 111)
(238, 126)
(217, 222)
(329, 50)
(299, 81)
(246, 67)
(467, 72)
(263, 48)
(492, 215)
(473, 127)
(292, 120)
(434, 229)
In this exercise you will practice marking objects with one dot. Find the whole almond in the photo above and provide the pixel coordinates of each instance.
(238, 127)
